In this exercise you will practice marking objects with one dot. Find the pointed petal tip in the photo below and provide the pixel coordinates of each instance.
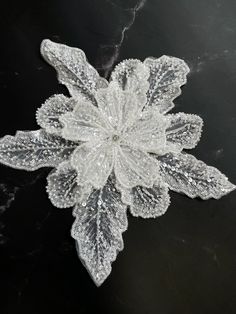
(99, 276)
(226, 189)
(202, 181)
(230, 187)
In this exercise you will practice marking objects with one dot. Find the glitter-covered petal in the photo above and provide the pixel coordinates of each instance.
(167, 75)
(30, 150)
(134, 167)
(184, 173)
(93, 163)
(132, 75)
(62, 187)
(84, 123)
(98, 229)
(148, 202)
(48, 114)
(148, 132)
(73, 69)
(184, 131)
(119, 107)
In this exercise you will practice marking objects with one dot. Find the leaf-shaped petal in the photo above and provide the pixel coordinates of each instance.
(132, 75)
(119, 107)
(135, 167)
(167, 74)
(98, 229)
(62, 187)
(48, 114)
(147, 202)
(84, 123)
(184, 131)
(93, 163)
(30, 150)
(184, 173)
(73, 69)
(148, 131)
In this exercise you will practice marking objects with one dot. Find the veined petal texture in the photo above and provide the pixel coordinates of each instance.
(134, 167)
(167, 74)
(85, 123)
(184, 173)
(49, 113)
(100, 222)
(184, 130)
(132, 75)
(147, 202)
(93, 163)
(119, 107)
(62, 187)
(30, 150)
(73, 69)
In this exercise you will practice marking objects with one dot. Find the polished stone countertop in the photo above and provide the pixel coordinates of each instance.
(185, 261)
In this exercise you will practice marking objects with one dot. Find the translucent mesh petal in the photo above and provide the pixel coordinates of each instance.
(132, 75)
(30, 150)
(147, 202)
(84, 123)
(148, 132)
(167, 74)
(93, 163)
(48, 114)
(62, 187)
(134, 167)
(184, 131)
(120, 108)
(98, 229)
(184, 173)
(73, 69)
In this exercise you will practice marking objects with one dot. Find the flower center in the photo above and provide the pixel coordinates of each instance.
(115, 138)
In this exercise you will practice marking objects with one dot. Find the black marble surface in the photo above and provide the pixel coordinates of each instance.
(183, 262)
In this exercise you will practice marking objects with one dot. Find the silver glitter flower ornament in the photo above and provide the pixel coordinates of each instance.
(113, 146)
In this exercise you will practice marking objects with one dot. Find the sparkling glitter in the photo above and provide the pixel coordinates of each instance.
(113, 144)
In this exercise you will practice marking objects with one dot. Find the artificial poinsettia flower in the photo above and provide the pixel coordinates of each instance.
(114, 146)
